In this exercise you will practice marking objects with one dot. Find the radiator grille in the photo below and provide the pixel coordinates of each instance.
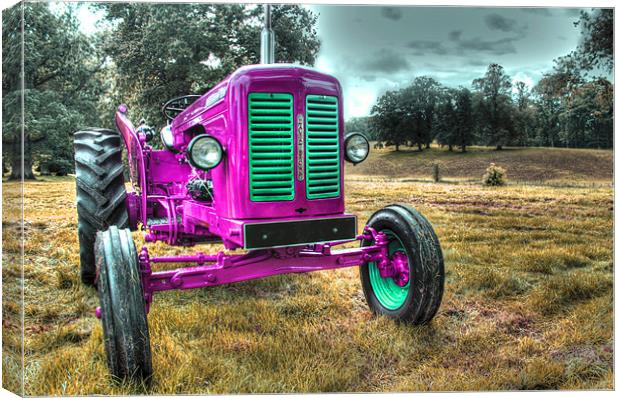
(271, 146)
(322, 147)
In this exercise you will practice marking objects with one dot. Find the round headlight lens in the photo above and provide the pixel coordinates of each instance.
(166, 137)
(204, 152)
(356, 148)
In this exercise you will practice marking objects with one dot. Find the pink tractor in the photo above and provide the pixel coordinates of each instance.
(256, 164)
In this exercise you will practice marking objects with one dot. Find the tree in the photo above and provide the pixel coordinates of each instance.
(388, 118)
(59, 90)
(420, 101)
(588, 118)
(524, 115)
(495, 106)
(161, 51)
(360, 125)
(597, 39)
(464, 119)
(455, 124)
(548, 107)
(446, 119)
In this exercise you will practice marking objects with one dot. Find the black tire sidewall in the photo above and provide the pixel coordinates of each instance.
(405, 224)
(123, 313)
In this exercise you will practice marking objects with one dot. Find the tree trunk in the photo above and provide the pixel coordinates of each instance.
(499, 148)
(16, 161)
(397, 147)
(428, 145)
(450, 147)
(463, 149)
(419, 146)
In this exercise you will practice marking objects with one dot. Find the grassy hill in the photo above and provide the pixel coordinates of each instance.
(525, 165)
(528, 301)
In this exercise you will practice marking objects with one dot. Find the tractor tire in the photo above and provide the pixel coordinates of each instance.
(123, 311)
(409, 232)
(100, 191)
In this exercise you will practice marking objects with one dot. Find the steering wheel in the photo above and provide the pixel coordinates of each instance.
(173, 107)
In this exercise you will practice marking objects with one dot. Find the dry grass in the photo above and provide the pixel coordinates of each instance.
(524, 165)
(528, 304)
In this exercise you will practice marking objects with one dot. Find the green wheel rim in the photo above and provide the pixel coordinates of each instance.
(389, 294)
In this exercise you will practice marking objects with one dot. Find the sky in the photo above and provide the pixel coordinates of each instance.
(372, 49)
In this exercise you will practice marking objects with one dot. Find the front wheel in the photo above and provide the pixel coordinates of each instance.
(123, 314)
(409, 234)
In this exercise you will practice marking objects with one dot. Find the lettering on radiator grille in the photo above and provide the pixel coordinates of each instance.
(301, 144)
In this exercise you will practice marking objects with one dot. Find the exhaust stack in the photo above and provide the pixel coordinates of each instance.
(267, 39)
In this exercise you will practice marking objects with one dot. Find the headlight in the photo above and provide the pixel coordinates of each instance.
(204, 152)
(356, 148)
(167, 138)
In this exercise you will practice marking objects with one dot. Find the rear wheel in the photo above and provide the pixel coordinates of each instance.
(100, 191)
(411, 237)
(123, 314)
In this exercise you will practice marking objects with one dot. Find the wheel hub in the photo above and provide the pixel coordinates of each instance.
(400, 266)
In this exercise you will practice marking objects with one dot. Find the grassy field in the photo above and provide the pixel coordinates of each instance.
(528, 301)
(557, 166)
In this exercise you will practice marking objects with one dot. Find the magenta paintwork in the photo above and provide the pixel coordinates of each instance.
(220, 269)
(161, 203)
(227, 121)
(159, 177)
(135, 157)
(133, 209)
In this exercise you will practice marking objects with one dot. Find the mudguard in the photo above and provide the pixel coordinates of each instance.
(135, 157)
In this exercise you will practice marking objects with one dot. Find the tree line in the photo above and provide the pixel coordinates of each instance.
(568, 107)
(143, 55)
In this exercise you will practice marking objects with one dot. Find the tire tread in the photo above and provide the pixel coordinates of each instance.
(100, 190)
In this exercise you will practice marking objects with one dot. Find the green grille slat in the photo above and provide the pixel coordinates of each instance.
(322, 147)
(270, 129)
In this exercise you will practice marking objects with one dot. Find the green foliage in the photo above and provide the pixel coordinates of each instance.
(161, 51)
(588, 116)
(388, 118)
(361, 125)
(455, 124)
(420, 103)
(148, 54)
(597, 46)
(495, 107)
(408, 115)
(574, 111)
(524, 116)
(494, 176)
(61, 89)
(547, 108)
(563, 109)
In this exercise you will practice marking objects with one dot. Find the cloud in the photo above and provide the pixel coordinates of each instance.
(455, 35)
(572, 12)
(368, 78)
(497, 22)
(522, 77)
(495, 47)
(386, 61)
(427, 46)
(476, 62)
(392, 13)
(545, 12)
